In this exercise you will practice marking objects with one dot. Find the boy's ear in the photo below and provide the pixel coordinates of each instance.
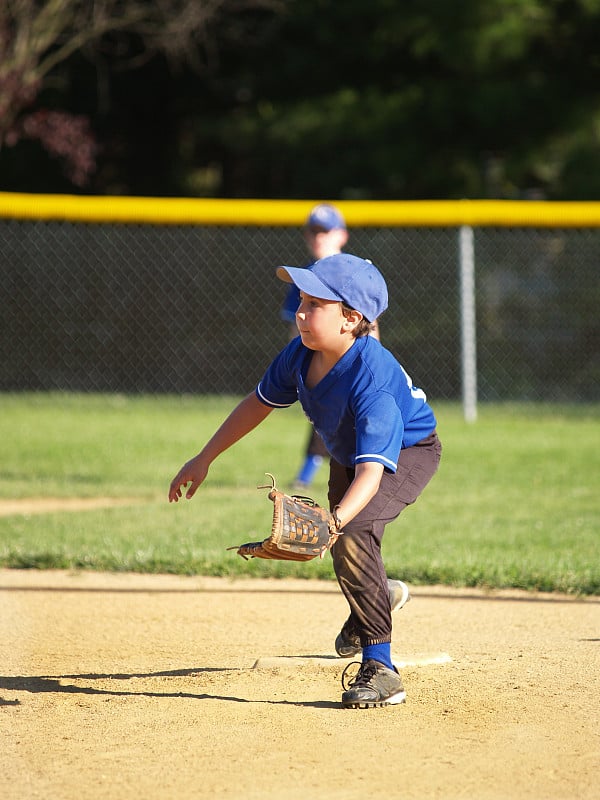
(352, 317)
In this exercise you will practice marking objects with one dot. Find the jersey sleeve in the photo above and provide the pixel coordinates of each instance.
(379, 431)
(278, 386)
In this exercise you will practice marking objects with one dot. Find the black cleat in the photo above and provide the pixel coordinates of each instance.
(374, 685)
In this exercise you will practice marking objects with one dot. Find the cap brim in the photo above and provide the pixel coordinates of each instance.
(307, 282)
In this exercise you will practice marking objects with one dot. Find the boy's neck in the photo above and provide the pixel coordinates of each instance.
(323, 361)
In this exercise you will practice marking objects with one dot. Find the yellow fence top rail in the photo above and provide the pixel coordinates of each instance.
(358, 213)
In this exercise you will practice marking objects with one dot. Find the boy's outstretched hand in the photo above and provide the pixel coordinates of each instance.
(244, 418)
(192, 472)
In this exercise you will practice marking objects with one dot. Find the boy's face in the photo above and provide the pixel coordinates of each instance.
(322, 243)
(322, 324)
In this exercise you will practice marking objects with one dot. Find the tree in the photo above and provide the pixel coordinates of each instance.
(36, 36)
(316, 98)
(421, 99)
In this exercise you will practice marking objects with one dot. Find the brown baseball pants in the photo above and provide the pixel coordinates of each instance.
(357, 559)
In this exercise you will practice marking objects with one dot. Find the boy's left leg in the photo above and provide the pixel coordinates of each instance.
(357, 559)
(361, 573)
(347, 642)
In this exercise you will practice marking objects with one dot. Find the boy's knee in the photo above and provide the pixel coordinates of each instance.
(348, 549)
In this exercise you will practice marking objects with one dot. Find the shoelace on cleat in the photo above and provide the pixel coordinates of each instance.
(356, 672)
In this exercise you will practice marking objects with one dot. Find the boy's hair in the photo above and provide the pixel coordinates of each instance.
(363, 328)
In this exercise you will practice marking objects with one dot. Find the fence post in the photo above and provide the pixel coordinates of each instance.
(468, 336)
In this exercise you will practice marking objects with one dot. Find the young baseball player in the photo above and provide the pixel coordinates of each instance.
(380, 433)
(325, 234)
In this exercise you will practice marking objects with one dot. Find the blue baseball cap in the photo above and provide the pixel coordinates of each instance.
(325, 216)
(343, 277)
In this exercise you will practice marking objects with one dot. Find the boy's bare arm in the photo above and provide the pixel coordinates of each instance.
(244, 418)
(363, 488)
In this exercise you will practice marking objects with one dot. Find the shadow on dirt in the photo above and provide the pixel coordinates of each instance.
(54, 684)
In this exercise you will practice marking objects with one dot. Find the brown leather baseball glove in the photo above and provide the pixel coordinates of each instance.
(300, 531)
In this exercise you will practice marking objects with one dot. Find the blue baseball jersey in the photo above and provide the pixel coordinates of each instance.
(365, 409)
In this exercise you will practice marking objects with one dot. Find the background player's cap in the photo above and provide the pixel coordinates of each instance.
(325, 216)
(355, 281)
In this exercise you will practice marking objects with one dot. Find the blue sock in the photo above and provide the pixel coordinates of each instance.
(309, 468)
(379, 652)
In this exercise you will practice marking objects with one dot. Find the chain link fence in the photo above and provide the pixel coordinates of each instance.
(99, 307)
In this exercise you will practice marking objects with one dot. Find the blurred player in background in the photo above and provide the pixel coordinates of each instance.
(325, 234)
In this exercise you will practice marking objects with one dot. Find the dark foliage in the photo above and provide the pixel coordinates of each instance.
(316, 98)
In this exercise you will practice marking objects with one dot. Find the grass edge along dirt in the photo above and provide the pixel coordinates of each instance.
(511, 506)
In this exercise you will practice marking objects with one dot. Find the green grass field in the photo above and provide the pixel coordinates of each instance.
(516, 502)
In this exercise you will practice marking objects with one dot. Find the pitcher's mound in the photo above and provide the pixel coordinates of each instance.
(334, 662)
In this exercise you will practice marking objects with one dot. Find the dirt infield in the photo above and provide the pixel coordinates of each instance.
(121, 686)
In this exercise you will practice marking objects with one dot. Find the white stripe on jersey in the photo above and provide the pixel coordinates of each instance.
(269, 402)
(375, 456)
